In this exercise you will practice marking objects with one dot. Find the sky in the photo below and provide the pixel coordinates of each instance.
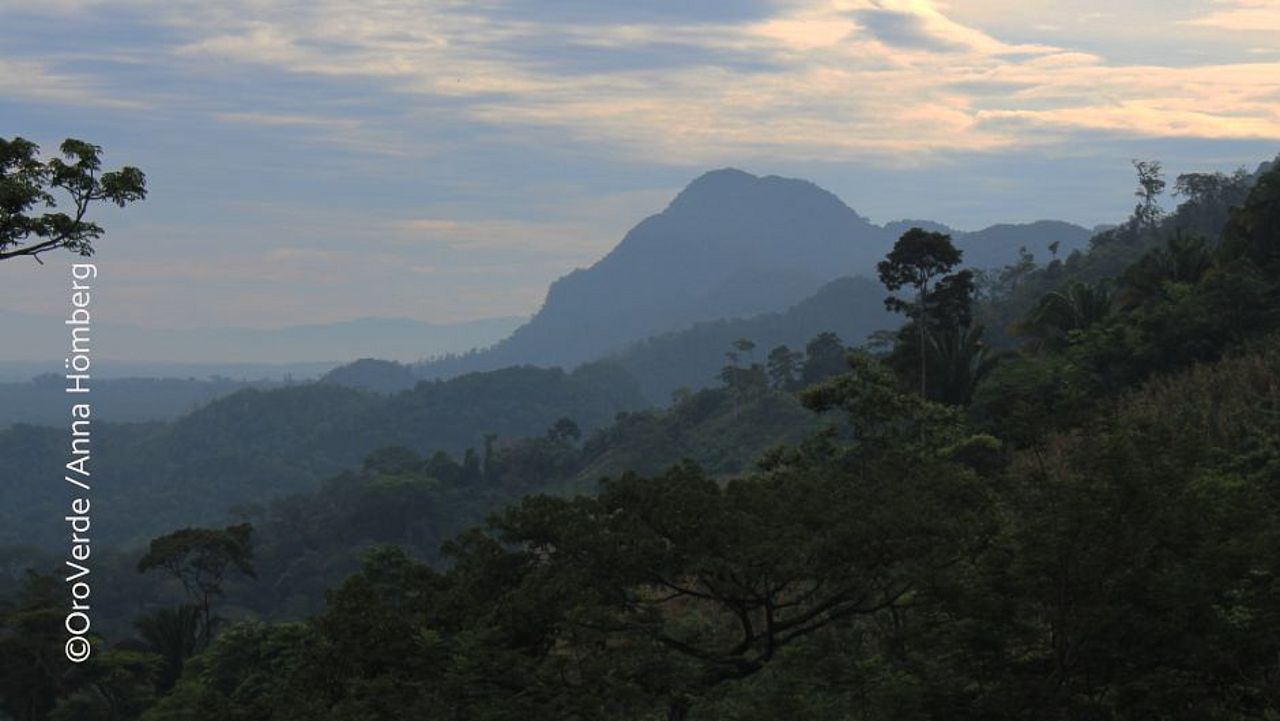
(321, 160)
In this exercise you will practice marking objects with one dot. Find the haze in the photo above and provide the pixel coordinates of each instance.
(327, 161)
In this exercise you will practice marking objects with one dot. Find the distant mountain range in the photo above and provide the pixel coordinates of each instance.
(730, 245)
(733, 255)
(236, 352)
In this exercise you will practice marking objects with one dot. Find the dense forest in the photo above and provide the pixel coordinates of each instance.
(1052, 492)
(39, 401)
(259, 443)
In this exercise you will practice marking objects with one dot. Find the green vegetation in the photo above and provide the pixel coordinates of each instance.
(257, 444)
(1077, 520)
(27, 183)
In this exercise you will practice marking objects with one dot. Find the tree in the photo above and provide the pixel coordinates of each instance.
(33, 669)
(489, 469)
(392, 460)
(564, 431)
(917, 258)
(731, 374)
(824, 356)
(673, 586)
(174, 635)
(782, 363)
(1207, 200)
(961, 361)
(1150, 185)
(1074, 308)
(471, 469)
(199, 559)
(116, 685)
(1253, 233)
(27, 183)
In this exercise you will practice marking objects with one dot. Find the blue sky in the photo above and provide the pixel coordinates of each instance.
(325, 160)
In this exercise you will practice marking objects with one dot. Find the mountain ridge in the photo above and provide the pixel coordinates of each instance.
(729, 245)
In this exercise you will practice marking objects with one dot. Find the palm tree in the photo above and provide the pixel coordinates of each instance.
(959, 360)
(175, 634)
(1184, 259)
(1074, 308)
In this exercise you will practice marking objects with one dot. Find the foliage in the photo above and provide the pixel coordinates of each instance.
(1087, 530)
(199, 559)
(27, 183)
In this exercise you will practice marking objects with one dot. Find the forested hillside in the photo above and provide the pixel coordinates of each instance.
(257, 444)
(42, 400)
(1051, 493)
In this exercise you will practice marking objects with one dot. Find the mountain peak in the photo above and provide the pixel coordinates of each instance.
(739, 191)
(714, 185)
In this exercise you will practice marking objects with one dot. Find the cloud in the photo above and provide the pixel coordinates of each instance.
(1243, 16)
(882, 81)
(904, 29)
(288, 120)
(36, 81)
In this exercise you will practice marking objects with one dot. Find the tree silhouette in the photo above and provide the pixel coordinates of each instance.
(917, 258)
(1150, 185)
(199, 559)
(27, 183)
(782, 364)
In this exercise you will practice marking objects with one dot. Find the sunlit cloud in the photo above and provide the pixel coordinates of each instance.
(880, 81)
(1243, 15)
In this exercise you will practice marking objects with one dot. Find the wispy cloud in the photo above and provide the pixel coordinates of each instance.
(881, 81)
(1251, 16)
(36, 81)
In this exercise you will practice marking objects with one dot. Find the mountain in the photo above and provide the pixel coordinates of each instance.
(372, 374)
(343, 341)
(109, 368)
(998, 245)
(852, 308)
(730, 245)
(43, 400)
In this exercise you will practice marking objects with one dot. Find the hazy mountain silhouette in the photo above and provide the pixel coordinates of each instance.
(730, 245)
(164, 348)
(851, 307)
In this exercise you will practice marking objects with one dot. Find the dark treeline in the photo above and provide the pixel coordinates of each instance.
(1051, 494)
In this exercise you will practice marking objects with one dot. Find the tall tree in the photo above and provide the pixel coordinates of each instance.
(27, 183)
(917, 258)
(782, 365)
(33, 670)
(824, 356)
(199, 559)
(1150, 185)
